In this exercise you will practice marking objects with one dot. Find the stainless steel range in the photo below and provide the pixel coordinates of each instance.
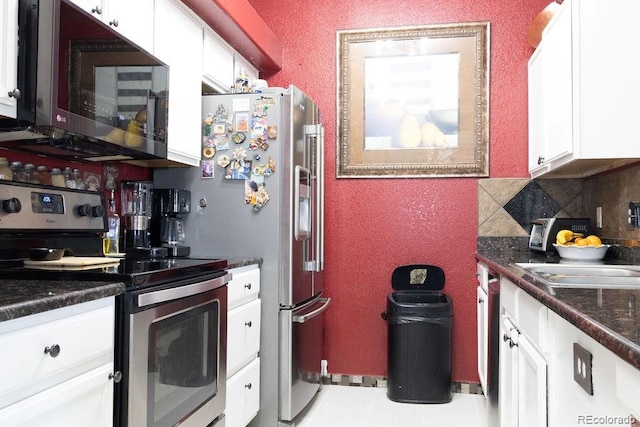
(170, 322)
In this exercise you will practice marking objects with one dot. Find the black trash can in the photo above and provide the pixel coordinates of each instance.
(419, 319)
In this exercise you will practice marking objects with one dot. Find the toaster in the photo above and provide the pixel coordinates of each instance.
(544, 230)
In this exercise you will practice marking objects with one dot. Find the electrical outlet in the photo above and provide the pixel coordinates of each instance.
(599, 217)
(582, 359)
(633, 215)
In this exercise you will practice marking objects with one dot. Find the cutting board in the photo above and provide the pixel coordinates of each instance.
(72, 263)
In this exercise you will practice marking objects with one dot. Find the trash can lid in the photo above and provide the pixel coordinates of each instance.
(418, 277)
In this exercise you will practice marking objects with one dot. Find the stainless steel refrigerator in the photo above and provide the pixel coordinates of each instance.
(259, 192)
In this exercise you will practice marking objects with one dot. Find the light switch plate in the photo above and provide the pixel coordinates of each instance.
(582, 360)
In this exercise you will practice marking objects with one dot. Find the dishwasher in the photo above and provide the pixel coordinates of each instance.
(488, 316)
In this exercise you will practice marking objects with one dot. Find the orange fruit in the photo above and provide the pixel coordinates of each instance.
(594, 240)
(564, 236)
(580, 241)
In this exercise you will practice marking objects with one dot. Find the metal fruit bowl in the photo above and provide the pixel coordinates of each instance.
(582, 252)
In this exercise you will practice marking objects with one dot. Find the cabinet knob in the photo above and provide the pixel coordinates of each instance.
(505, 338)
(248, 286)
(248, 386)
(480, 300)
(15, 94)
(97, 10)
(540, 160)
(116, 377)
(512, 344)
(113, 22)
(247, 323)
(53, 350)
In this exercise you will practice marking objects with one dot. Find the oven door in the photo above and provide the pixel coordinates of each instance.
(177, 355)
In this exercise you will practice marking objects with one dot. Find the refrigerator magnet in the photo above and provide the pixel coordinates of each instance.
(242, 122)
(206, 127)
(221, 115)
(221, 142)
(206, 167)
(219, 129)
(208, 152)
(272, 132)
(223, 161)
(238, 138)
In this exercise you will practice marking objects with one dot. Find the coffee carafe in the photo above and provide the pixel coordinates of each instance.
(136, 199)
(167, 227)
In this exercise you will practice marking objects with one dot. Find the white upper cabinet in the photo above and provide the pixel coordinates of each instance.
(8, 56)
(582, 91)
(217, 64)
(178, 43)
(132, 19)
(221, 64)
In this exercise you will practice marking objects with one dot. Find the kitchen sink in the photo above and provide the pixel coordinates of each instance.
(584, 275)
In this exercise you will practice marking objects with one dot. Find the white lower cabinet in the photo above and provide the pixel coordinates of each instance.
(243, 346)
(553, 374)
(244, 390)
(523, 366)
(86, 400)
(628, 386)
(56, 367)
(571, 404)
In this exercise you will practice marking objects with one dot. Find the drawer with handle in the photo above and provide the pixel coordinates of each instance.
(45, 349)
(244, 285)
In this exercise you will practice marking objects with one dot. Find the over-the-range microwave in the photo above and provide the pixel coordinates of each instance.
(84, 91)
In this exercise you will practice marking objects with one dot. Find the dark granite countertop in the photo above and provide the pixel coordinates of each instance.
(609, 316)
(20, 298)
(236, 262)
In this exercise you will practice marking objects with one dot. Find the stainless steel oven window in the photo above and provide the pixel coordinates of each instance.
(176, 371)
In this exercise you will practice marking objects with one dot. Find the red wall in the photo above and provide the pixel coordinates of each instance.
(374, 225)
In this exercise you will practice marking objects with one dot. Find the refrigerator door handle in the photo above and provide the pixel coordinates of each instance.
(320, 201)
(317, 262)
(314, 313)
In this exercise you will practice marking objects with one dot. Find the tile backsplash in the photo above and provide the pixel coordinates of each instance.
(506, 206)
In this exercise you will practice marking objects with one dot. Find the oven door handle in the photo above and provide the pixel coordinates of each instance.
(182, 291)
(314, 313)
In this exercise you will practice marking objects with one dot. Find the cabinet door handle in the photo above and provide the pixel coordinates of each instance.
(512, 343)
(53, 350)
(97, 10)
(540, 160)
(480, 300)
(248, 386)
(15, 94)
(116, 377)
(247, 323)
(113, 23)
(248, 286)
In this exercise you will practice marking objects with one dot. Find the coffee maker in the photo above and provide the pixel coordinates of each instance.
(167, 225)
(136, 197)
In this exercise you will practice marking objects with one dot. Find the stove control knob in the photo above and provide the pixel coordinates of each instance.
(97, 211)
(12, 205)
(91, 211)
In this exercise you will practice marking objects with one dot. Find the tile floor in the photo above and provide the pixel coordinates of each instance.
(345, 406)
